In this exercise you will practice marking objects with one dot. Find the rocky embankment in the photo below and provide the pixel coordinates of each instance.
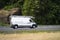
(4, 14)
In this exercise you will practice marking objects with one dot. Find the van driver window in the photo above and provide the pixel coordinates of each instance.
(31, 20)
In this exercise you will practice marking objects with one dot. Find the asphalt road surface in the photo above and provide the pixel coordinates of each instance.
(41, 27)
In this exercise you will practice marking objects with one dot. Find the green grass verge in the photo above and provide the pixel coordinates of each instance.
(27, 31)
(3, 24)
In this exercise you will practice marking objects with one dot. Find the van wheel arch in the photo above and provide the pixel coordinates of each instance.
(34, 26)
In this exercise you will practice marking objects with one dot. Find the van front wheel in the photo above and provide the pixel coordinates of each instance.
(34, 26)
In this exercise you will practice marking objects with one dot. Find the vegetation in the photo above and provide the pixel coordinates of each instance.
(28, 31)
(46, 12)
(3, 24)
(31, 36)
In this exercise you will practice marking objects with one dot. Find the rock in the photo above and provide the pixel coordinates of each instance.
(4, 14)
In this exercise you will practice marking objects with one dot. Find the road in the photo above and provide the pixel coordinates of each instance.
(41, 27)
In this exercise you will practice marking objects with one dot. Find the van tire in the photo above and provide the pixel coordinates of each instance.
(34, 26)
(15, 26)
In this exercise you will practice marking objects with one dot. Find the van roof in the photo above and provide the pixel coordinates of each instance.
(22, 16)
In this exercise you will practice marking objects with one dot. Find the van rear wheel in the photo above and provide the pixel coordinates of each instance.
(15, 26)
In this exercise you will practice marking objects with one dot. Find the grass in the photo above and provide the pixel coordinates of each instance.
(27, 31)
(31, 36)
(3, 24)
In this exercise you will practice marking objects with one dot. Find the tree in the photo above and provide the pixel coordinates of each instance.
(7, 4)
(45, 11)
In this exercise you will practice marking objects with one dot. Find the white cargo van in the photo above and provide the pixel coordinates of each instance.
(22, 21)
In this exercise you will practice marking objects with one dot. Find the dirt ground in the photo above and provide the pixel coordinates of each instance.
(31, 36)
